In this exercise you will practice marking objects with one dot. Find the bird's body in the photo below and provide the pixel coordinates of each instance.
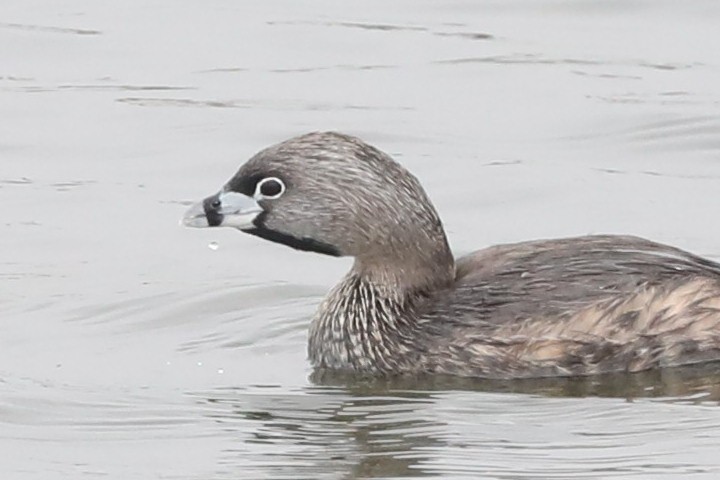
(576, 306)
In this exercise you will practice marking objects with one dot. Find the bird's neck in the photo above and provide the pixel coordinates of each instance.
(407, 262)
(356, 326)
(365, 322)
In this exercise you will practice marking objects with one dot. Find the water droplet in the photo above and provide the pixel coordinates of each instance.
(213, 246)
(221, 371)
(199, 364)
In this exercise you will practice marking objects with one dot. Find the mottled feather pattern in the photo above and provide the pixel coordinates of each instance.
(361, 328)
(579, 306)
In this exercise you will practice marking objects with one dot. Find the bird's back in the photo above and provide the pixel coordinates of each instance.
(576, 306)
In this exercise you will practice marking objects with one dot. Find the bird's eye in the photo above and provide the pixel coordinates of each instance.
(271, 187)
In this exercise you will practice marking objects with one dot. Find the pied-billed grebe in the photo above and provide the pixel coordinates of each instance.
(576, 306)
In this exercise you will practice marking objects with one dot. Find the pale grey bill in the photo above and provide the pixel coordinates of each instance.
(225, 209)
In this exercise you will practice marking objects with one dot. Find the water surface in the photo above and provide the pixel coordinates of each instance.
(129, 349)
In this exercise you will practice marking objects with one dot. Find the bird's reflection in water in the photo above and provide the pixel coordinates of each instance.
(698, 382)
(325, 431)
(348, 427)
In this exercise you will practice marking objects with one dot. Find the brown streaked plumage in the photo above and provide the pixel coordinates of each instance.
(576, 306)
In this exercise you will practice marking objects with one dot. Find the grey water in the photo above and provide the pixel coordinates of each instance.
(131, 348)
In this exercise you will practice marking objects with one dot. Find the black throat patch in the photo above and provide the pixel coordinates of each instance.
(305, 244)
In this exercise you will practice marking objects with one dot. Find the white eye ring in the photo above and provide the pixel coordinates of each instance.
(274, 188)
